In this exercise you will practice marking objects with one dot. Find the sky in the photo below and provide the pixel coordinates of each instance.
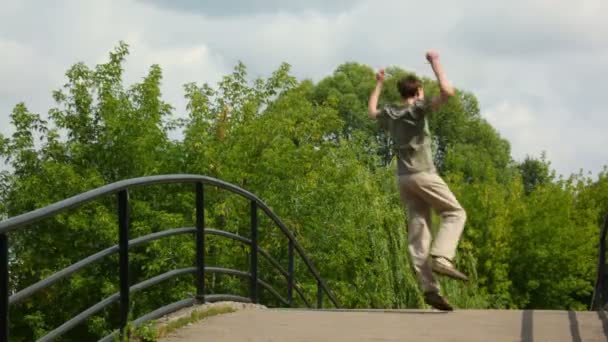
(538, 67)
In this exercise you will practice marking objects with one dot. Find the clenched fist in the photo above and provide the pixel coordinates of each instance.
(380, 75)
(432, 55)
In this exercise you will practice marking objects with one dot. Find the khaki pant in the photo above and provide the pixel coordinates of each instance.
(419, 193)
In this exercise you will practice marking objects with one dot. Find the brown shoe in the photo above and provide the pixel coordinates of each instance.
(444, 266)
(434, 299)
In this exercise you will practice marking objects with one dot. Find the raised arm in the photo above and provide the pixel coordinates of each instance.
(445, 87)
(372, 105)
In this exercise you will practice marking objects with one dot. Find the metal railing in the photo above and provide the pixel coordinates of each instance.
(600, 293)
(124, 244)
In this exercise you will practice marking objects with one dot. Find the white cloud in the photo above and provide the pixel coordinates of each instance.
(537, 66)
(179, 64)
(566, 137)
(24, 76)
(229, 8)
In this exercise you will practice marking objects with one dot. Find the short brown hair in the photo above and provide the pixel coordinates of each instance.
(408, 86)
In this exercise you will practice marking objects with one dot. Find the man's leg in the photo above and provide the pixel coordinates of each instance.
(432, 189)
(419, 240)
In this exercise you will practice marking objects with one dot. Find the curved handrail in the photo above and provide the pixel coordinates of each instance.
(55, 277)
(39, 214)
(65, 327)
(121, 188)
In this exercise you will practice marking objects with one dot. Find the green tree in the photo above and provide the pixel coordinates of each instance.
(99, 133)
(535, 172)
(309, 150)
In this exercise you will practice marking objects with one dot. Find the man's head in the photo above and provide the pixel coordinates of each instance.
(410, 87)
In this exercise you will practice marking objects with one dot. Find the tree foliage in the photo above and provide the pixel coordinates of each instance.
(309, 151)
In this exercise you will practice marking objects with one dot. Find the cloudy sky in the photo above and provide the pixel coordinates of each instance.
(538, 67)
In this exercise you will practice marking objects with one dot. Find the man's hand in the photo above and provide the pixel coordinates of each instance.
(432, 56)
(380, 76)
(445, 87)
(372, 105)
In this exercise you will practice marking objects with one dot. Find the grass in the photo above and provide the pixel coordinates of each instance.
(152, 331)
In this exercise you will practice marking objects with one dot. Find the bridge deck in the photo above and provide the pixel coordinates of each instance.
(285, 325)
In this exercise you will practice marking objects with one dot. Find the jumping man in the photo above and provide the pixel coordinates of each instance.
(420, 187)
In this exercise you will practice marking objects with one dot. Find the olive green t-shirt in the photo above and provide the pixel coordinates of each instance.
(409, 130)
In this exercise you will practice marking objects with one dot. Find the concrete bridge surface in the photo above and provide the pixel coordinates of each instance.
(292, 325)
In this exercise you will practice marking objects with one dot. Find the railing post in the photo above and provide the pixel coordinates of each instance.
(319, 295)
(254, 252)
(4, 293)
(200, 243)
(123, 251)
(601, 291)
(601, 275)
(290, 271)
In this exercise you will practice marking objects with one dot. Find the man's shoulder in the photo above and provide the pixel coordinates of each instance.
(413, 111)
(396, 110)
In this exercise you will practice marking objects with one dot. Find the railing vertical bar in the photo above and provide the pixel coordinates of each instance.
(200, 243)
(4, 292)
(319, 295)
(290, 272)
(123, 250)
(254, 252)
(601, 293)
